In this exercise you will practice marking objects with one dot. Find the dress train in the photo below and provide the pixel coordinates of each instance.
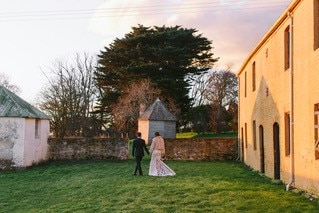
(158, 167)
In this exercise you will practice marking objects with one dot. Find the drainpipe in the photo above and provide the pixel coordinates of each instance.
(291, 136)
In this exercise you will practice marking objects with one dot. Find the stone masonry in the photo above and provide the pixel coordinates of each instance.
(117, 148)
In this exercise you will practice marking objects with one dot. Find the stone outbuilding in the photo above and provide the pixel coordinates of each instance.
(157, 118)
(24, 131)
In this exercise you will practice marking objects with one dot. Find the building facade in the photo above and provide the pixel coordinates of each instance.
(279, 100)
(24, 132)
(157, 118)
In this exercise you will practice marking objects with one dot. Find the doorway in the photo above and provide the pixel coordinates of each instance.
(262, 149)
(276, 151)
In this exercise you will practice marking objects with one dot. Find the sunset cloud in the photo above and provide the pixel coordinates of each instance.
(35, 33)
(235, 27)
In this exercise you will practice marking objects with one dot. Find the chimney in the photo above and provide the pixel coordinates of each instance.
(142, 109)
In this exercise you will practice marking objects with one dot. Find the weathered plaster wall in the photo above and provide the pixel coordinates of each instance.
(11, 142)
(18, 145)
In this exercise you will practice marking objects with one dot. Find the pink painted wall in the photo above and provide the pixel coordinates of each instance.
(35, 148)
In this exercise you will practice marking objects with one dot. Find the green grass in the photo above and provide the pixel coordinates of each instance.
(207, 135)
(109, 186)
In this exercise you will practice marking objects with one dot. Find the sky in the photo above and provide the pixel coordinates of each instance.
(36, 33)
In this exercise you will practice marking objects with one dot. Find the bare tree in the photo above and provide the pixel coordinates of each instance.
(198, 89)
(137, 96)
(233, 112)
(221, 92)
(5, 81)
(70, 95)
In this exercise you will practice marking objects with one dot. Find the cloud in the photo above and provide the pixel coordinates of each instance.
(36, 32)
(235, 27)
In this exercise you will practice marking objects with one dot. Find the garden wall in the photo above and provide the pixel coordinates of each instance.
(88, 148)
(201, 149)
(117, 148)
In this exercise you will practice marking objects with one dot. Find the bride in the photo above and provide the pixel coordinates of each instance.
(157, 166)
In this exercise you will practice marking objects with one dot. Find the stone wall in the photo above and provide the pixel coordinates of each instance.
(88, 148)
(117, 148)
(201, 149)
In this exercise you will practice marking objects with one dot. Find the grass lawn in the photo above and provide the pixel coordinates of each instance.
(109, 186)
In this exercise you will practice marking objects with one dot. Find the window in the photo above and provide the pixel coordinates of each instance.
(37, 128)
(287, 48)
(287, 133)
(245, 84)
(254, 135)
(316, 126)
(316, 24)
(254, 76)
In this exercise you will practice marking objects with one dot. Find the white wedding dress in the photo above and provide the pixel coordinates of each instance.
(158, 167)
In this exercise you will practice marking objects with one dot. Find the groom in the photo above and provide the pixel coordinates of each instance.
(138, 152)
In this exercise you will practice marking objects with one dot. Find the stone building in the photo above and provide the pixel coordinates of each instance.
(24, 132)
(157, 118)
(279, 99)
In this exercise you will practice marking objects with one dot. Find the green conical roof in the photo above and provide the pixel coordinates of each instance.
(12, 105)
(158, 112)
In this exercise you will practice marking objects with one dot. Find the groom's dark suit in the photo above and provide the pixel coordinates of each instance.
(138, 152)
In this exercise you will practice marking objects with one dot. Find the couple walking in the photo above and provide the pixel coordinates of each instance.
(157, 149)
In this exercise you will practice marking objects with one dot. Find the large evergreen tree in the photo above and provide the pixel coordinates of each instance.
(169, 56)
